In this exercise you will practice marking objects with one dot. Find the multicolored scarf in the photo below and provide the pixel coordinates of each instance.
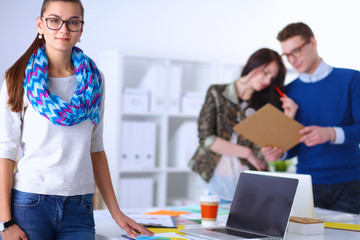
(86, 100)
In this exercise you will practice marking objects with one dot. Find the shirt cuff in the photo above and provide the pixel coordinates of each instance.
(209, 141)
(284, 156)
(340, 135)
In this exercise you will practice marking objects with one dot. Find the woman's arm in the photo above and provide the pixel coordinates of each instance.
(224, 147)
(103, 182)
(6, 173)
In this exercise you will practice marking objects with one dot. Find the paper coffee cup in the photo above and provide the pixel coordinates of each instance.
(209, 208)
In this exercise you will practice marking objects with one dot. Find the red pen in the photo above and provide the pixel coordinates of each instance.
(279, 91)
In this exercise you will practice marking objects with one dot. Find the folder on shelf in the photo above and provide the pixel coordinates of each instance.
(137, 142)
(155, 81)
(183, 144)
(126, 160)
(148, 144)
(175, 89)
(270, 127)
(138, 145)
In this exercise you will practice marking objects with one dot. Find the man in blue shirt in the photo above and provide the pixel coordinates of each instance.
(328, 100)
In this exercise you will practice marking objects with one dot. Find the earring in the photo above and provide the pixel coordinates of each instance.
(40, 36)
(79, 40)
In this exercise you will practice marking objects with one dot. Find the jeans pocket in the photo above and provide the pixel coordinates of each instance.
(87, 202)
(25, 200)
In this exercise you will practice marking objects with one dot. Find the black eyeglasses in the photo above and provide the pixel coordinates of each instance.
(56, 24)
(296, 52)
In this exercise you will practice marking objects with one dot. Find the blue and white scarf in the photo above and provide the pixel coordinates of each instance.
(86, 100)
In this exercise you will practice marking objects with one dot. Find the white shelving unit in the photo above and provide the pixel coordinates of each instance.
(173, 182)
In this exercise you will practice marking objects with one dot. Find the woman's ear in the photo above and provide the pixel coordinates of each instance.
(39, 25)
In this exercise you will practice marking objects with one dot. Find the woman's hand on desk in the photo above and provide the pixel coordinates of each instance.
(131, 227)
(272, 153)
(14, 232)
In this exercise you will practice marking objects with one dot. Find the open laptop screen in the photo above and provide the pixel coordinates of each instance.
(262, 204)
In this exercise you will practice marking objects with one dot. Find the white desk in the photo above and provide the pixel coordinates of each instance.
(107, 227)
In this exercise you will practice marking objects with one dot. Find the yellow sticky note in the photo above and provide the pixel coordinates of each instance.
(165, 230)
(344, 226)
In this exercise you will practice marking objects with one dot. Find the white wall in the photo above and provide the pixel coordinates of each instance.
(229, 29)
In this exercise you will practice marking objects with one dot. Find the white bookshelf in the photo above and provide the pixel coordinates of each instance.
(173, 183)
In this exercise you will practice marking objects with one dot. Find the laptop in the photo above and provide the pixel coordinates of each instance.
(304, 199)
(260, 210)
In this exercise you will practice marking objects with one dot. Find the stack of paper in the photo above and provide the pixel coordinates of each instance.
(305, 226)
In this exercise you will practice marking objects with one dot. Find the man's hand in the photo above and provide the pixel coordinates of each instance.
(272, 153)
(314, 135)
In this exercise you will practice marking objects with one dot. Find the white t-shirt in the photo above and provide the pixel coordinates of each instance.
(53, 160)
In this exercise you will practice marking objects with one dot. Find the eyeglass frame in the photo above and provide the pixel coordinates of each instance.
(296, 51)
(63, 21)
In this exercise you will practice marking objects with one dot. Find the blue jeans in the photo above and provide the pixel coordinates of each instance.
(47, 217)
(344, 197)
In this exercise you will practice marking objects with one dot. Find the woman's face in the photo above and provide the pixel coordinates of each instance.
(264, 75)
(61, 39)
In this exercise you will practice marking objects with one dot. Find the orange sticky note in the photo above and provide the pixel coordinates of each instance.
(167, 212)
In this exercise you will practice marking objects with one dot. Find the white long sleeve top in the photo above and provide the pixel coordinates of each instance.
(51, 159)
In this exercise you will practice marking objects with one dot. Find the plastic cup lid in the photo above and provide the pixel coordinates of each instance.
(209, 198)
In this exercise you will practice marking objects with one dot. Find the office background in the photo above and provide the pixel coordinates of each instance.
(209, 28)
(193, 29)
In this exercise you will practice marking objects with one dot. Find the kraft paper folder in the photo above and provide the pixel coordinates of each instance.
(268, 126)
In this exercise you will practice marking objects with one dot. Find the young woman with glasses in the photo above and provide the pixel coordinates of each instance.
(51, 108)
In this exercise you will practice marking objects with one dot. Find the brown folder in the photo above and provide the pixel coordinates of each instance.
(268, 126)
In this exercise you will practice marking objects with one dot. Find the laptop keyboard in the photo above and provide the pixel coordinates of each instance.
(236, 233)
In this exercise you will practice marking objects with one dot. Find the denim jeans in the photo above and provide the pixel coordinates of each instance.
(47, 217)
(343, 197)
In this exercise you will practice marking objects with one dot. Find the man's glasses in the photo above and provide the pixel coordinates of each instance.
(296, 52)
(56, 24)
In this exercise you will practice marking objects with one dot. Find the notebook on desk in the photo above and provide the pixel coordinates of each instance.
(260, 210)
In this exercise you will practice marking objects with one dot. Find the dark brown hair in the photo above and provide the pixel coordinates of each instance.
(295, 29)
(16, 73)
(269, 94)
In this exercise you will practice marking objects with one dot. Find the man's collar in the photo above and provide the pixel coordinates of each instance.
(320, 73)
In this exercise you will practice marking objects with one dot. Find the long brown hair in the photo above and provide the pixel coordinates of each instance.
(16, 73)
(269, 94)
